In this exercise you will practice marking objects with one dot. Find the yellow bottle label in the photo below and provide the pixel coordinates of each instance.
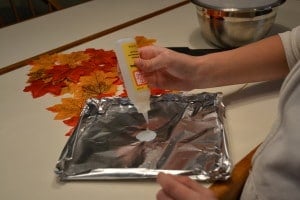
(131, 52)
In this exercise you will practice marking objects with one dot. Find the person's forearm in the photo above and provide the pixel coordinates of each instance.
(260, 61)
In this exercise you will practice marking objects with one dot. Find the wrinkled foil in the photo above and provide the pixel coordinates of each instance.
(190, 140)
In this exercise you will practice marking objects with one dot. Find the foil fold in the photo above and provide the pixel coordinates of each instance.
(190, 140)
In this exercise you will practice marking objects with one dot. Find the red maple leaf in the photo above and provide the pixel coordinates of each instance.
(65, 72)
(118, 81)
(39, 88)
(81, 70)
(72, 121)
(157, 91)
(105, 60)
(70, 132)
(58, 73)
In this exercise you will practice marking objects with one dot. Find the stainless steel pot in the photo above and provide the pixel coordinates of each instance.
(235, 26)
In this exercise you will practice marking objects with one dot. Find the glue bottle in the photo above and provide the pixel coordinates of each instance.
(135, 84)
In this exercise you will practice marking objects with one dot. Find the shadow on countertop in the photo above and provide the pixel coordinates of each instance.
(250, 92)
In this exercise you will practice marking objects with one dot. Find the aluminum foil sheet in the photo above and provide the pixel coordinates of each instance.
(190, 139)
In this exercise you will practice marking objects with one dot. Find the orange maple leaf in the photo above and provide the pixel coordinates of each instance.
(39, 66)
(69, 107)
(72, 59)
(97, 84)
(142, 41)
(44, 62)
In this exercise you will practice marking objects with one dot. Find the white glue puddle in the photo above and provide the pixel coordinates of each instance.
(146, 135)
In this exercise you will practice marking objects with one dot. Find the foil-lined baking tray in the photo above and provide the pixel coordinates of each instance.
(190, 139)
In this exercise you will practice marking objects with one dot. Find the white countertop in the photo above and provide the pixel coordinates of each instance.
(41, 34)
(31, 140)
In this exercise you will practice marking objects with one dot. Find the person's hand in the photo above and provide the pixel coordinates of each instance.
(167, 69)
(181, 188)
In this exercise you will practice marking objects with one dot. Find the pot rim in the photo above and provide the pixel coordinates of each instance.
(238, 9)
